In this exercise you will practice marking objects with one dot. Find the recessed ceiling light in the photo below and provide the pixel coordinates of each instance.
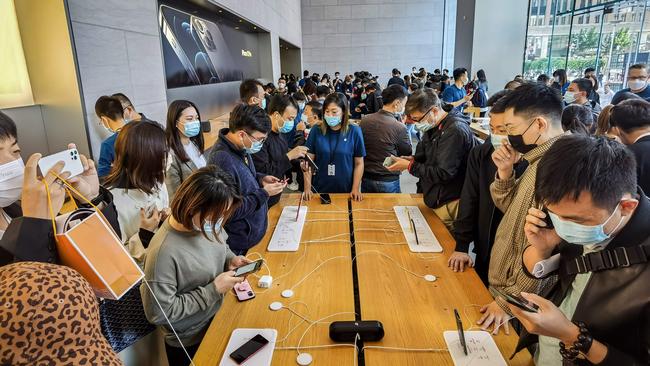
(240, 20)
(236, 27)
(254, 27)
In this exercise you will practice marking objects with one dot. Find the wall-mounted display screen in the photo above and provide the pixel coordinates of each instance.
(199, 51)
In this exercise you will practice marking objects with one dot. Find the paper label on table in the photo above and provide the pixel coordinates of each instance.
(287, 233)
(481, 349)
(428, 243)
(243, 335)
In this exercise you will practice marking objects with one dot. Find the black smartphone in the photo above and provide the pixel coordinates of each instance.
(249, 268)
(248, 349)
(206, 126)
(519, 301)
(325, 198)
(547, 219)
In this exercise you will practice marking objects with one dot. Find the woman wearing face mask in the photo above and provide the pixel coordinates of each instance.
(338, 150)
(275, 158)
(137, 182)
(185, 140)
(26, 227)
(478, 218)
(189, 266)
(561, 82)
(440, 159)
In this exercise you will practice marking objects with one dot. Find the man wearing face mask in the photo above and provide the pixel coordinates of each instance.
(578, 93)
(478, 217)
(598, 311)
(456, 94)
(25, 225)
(533, 119)
(274, 159)
(637, 82)
(385, 135)
(440, 159)
(111, 115)
(282, 87)
(247, 130)
(251, 92)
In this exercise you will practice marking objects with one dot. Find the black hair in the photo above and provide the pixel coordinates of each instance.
(249, 118)
(630, 115)
(124, 100)
(481, 75)
(393, 92)
(535, 99)
(577, 163)
(7, 127)
(109, 107)
(577, 119)
(316, 108)
(396, 72)
(496, 96)
(280, 102)
(342, 102)
(436, 71)
(589, 69)
(248, 89)
(561, 73)
(459, 72)
(173, 134)
(370, 86)
(512, 84)
(414, 86)
(584, 85)
(305, 73)
(623, 96)
(322, 91)
(638, 67)
(422, 100)
(543, 78)
(299, 96)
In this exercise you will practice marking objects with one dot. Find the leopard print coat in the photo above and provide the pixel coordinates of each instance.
(49, 316)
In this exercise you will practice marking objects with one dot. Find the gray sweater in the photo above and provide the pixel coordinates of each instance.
(180, 268)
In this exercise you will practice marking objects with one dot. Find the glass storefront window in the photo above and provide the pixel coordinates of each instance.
(606, 35)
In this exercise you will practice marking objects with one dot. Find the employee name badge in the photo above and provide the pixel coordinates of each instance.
(331, 169)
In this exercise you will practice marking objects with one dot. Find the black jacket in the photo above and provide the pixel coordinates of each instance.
(615, 304)
(28, 239)
(440, 159)
(396, 80)
(641, 150)
(273, 160)
(373, 102)
(478, 218)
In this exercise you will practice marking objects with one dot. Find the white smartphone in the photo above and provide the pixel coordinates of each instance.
(69, 157)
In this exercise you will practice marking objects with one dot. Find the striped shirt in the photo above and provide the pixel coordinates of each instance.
(514, 198)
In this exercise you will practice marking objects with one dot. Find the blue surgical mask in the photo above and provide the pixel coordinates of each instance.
(287, 126)
(301, 106)
(207, 226)
(263, 103)
(423, 126)
(333, 121)
(497, 140)
(304, 118)
(256, 146)
(191, 128)
(575, 233)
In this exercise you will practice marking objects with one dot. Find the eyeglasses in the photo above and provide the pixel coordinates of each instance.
(421, 118)
(253, 139)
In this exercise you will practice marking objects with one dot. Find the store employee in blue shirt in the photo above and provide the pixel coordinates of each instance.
(337, 149)
(455, 94)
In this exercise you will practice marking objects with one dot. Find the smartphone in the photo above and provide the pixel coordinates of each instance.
(325, 199)
(547, 219)
(310, 162)
(69, 157)
(519, 301)
(248, 349)
(249, 268)
(206, 126)
(244, 291)
(388, 162)
(165, 13)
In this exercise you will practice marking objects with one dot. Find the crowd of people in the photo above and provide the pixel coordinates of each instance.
(551, 204)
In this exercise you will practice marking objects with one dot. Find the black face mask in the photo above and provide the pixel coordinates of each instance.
(517, 141)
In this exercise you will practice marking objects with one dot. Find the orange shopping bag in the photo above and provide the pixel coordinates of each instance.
(87, 243)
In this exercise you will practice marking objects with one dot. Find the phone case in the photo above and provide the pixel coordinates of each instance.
(69, 157)
(244, 291)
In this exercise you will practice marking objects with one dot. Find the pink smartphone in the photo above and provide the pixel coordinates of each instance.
(244, 291)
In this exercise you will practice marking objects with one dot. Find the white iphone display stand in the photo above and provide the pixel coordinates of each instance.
(481, 349)
(287, 233)
(416, 230)
(243, 335)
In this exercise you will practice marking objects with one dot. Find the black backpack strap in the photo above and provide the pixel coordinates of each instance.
(604, 260)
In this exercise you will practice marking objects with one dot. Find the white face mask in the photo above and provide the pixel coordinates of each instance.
(11, 181)
(636, 84)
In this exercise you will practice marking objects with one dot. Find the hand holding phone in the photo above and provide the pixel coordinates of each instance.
(519, 301)
(244, 291)
(249, 268)
(70, 158)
